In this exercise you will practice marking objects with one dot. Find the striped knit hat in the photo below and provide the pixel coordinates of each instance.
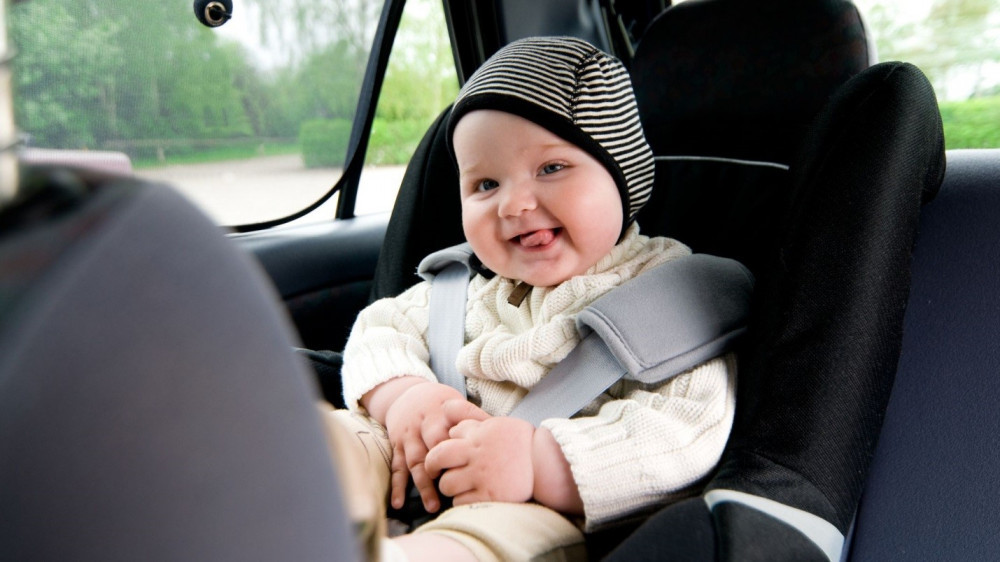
(577, 92)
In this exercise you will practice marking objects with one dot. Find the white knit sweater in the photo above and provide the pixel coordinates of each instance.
(633, 448)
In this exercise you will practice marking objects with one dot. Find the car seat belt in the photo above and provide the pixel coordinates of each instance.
(651, 328)
(446, 328)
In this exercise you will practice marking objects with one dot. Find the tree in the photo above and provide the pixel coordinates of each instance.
(62, 77)
(955, 43)
(299, 28)
(963, 40)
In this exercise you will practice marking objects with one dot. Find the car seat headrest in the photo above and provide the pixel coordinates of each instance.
(735, 79)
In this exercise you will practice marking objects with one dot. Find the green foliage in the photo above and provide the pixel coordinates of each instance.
(54, 72)
(420, 82)
(161, 87)
(954, 42)
(971, 123)
(393, 142)
(324, 142)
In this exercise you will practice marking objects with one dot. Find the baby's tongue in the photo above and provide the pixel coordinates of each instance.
(538, 237)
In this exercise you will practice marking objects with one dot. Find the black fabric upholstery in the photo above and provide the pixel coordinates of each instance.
(725, 120)
(725, 209)
(825, 334)
(934, 487)
(151, 407)
(327, 366)
(429, 189)
(748, 535)
(828, 333)
(685, 532)
(739, 79)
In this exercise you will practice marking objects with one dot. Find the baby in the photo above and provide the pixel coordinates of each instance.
(553, 168)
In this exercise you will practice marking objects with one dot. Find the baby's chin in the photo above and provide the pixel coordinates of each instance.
(544, 276)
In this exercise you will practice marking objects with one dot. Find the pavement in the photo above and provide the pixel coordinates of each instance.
(247, 191)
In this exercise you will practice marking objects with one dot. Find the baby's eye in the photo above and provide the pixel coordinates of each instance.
(487, 185)
(551, 168)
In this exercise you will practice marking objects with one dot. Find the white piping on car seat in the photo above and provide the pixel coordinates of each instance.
(721, 159)
(815, 528)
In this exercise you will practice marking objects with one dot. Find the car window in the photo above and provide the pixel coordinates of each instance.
(956, 43)
(250, 120)
(420, 83)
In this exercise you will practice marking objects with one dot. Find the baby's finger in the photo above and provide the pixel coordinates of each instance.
(456, 483)
(399, 478)
(434, 430)
(425, 485)
(457, 410)
(471, 496)
(464, 429)
(448, 454)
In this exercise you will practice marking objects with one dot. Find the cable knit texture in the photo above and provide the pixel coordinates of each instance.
(633, 448)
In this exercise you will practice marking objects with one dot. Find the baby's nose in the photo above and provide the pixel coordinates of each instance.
(516, 198)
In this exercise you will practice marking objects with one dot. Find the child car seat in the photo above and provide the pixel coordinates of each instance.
(824, 337)
(829, 241)
(152, 408)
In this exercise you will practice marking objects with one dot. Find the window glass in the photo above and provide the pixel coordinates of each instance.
(419, 83)
(250, 120)
(956, 43)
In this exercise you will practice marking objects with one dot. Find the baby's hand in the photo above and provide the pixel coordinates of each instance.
(487, 460)
(416, 421)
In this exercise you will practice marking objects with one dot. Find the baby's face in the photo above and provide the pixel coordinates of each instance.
(535, 207)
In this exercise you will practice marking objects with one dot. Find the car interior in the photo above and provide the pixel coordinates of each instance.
(167, 413)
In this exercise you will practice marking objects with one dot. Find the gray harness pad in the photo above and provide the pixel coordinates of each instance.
(650, 329)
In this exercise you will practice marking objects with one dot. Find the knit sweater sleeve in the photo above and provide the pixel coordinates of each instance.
(647, 447)
(388, 340)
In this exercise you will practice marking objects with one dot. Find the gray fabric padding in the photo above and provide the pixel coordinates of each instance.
(674, 317)
(449, 269)
(657, 325)
(435, 262)
(449, 293)
(573, 383)
(151, 407)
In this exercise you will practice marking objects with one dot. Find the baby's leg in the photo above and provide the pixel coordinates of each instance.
(362, 454)
(496, 532)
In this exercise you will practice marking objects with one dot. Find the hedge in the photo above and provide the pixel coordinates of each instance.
(973, 123)
(393, 142)
(324, 142)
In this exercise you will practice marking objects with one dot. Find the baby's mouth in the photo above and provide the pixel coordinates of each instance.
(537, 237)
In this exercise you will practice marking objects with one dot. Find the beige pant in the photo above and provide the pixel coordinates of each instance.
(493, 531)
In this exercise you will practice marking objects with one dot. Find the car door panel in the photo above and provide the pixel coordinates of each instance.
(322, 272)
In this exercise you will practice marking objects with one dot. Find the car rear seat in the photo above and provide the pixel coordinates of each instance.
(933, 492)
